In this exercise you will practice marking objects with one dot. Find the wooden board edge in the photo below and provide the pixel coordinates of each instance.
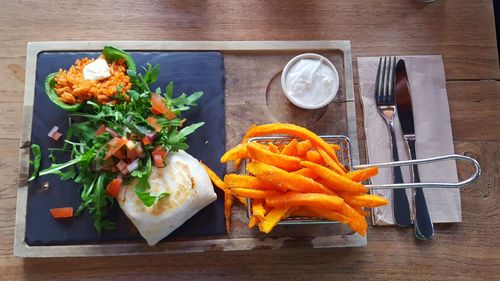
(213, 245)
(24, 152)
(348, 72)
(343, 45)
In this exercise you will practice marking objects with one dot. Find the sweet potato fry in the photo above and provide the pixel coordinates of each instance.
(242, 153)
(364, 200)
(289, 129)
(333, 163)
(303, 147)
(272, 218)
(289, 163)
(236, 153)
(282, 178)
(356, 221)
(214, 177)
(244, 181)
(258, 210)
(261, 145)
(228, 203)
(253, 221)
(329, 214)
(363, 174)
(306, 172)
(290, 148)
(273, 147)
(322, 181)
(335, 146)
(242, 200)
(335, 181)
(315, 157)
(254, 193)
(329, 202)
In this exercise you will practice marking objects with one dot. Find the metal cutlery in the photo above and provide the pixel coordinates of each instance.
(386, 106)
(422, 222)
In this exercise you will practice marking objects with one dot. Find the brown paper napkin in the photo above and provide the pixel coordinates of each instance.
(432, 131)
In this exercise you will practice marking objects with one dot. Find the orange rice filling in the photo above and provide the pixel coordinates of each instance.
(72, 88)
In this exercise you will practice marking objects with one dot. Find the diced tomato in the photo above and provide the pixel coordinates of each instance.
(119, 154)
(159, 154)
(111, 132)
(159, 151)
(129, 143)
(113, 188)
(114, 145)
(169, 114)
(153, 123)
(158, 106)
(183, 121)
(158, 161)
(132, 153)
(100, 130)
(59, 213)
(155, 111)
(157, 103)
(122, 166)
(145, 140)
(56, 135)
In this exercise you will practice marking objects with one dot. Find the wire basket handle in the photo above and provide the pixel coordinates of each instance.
(461, 184)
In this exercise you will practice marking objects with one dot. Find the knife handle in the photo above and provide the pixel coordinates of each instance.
(400, 205)
(424, 229)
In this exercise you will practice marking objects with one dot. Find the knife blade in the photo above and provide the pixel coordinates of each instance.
(422, 222)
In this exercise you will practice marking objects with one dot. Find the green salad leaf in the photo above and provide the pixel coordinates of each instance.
(36, 162)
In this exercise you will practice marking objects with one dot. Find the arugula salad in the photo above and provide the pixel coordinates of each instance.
(119, 129)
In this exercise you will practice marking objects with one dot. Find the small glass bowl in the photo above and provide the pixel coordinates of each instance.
(297, 102)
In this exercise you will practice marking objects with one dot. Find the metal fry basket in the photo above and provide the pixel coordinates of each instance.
(344, 156)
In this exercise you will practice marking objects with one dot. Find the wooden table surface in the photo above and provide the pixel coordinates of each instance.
(462, 31)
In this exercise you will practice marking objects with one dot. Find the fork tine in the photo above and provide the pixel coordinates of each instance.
(384, 81)
(377, 82)
(390, 80)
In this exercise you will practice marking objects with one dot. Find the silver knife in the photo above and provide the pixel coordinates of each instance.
(422, 222)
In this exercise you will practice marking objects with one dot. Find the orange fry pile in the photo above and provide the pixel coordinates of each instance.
(303, 178)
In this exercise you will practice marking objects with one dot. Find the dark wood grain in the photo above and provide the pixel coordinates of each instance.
(475, 110)
(462, 31)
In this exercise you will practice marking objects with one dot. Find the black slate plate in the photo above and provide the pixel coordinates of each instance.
(190, 71)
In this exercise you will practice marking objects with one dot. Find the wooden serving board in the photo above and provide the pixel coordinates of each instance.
(252, 96)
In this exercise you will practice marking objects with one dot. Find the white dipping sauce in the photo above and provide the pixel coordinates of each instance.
(311, 81)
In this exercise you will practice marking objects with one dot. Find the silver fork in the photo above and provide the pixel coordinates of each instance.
(386, 106)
